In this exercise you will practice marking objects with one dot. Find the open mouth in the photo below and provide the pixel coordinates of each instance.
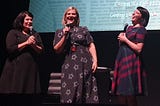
(71, 18)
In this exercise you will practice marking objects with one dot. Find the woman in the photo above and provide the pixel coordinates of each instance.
(129, 71)
(20, 73)
(78, 83)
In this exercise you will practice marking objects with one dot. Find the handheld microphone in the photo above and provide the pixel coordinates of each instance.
(124, 30)
(31, 30)
(69, 24)
(125, 27)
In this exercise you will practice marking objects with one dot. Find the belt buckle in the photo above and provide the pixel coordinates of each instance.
(73, 48)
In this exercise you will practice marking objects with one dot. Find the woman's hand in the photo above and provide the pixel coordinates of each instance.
(137, 47)
(66, 30)
(94, 66)
(122, 37)
(31, 40)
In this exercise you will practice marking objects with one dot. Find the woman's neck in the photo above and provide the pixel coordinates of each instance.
(25, 32)
(137, 25)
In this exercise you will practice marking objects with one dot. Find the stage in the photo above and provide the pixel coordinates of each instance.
(40, 100)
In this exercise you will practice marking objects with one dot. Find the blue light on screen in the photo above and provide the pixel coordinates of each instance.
(97, 15)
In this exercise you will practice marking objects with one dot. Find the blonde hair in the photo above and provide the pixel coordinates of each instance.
(64, 21)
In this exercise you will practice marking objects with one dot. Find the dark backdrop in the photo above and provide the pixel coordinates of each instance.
(106, 45)
(9, 9)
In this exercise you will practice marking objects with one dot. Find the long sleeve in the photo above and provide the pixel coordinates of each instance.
(11, 42)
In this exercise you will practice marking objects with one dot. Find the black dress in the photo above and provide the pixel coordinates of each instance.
(20, 73)
(78, 82)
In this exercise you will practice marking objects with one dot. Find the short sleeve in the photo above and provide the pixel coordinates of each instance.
(57, 37)
(140, 35)
(89, 38)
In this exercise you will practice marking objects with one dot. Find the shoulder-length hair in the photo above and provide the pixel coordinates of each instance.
(145, 15)
(18, 22)
(64, 20)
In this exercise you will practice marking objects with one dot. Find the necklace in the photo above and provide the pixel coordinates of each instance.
(25, 33)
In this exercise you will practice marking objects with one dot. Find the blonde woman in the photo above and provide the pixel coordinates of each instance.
(78, 81)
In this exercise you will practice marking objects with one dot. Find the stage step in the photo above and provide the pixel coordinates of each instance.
(55, 75)
(54, 83)
(103, 76)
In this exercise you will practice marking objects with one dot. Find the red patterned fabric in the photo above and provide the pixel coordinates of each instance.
(129, 75)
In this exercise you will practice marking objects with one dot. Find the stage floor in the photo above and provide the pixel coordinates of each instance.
(40, 100)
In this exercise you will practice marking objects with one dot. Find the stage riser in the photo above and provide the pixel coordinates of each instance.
(103, 76)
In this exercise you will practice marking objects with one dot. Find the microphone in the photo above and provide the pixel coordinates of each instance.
(125, 27)
(31, 30)
(124, 30)
(69, 24)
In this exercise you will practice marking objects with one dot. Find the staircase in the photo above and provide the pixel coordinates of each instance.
(54, 83)
(104, 76)
(53, 96)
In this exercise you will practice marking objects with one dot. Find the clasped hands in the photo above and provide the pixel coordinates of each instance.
(122, 37)
(31, 40)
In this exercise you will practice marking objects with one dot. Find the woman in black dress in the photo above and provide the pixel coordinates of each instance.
(78, 82)
(20, 73)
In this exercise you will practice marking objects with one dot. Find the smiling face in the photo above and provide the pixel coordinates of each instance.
(71, 16)
(27, 24)
(136, 17)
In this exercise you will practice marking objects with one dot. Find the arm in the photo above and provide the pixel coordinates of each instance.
(60, 45)
(137, 47)
(37, 48)
(22, 45)
(92, 50)
(37, 44)
(31, 41)
(12, 44)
